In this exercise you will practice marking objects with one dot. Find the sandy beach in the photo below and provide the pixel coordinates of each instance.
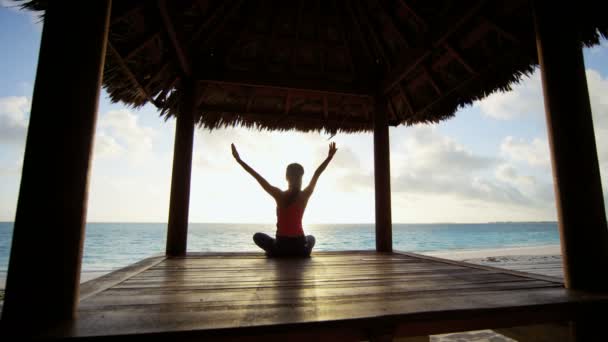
(545, 260)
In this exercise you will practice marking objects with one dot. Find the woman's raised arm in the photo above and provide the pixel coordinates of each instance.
(271, 190)
(313, 181)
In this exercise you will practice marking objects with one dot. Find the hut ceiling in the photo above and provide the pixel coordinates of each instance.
(322, 64)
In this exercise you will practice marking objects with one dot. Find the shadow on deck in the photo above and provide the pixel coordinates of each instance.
(347, 295)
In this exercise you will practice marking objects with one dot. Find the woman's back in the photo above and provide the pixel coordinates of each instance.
(289, 214)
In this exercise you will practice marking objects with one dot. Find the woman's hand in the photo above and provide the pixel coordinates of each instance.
(235, 153)
(332, 150)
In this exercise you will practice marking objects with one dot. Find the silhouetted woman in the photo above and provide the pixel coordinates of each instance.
(291, 203)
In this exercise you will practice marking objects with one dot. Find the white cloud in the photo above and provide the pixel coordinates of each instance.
(120, 134)
(525, 98)
(535, 152)
(13, 118)
(428, 165)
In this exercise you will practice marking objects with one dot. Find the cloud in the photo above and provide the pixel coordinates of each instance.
(120, 134)
(535, 152)
(598, 88)
(525, 98)
(13, 119)
(428, 164)
(440, 165)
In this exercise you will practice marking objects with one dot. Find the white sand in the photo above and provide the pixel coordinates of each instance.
(515, 252)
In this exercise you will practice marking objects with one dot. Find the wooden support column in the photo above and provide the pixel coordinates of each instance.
(44, 268)
(576, 174)
(177, 233)
(382, 178)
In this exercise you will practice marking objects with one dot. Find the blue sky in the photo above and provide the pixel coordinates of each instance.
(489, 163)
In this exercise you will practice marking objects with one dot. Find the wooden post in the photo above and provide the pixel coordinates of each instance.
(177, 233)
(44, 269)
(578, 191)
(382, 178)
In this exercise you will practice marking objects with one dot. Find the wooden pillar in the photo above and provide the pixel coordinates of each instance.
(576, 174)
(44, 268)
(382, 178)
(177, 233)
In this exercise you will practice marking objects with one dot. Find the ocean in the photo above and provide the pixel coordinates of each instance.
(109, 246)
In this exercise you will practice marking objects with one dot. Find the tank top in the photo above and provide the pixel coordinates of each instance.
(289, 220)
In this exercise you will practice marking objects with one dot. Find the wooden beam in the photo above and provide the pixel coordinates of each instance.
(576, 174)
(501, 31)
(414, 13)
(220, 25)
(406, 99)
(130, 74)
(287, 103)
(358, 32)
(308, 119)
(318, 24)
(431, 79)
(46, 254)
(402, 71)
(126, 14)
(382, 177)
(311, 89)
(400, 35)
(142, 45)
(182, 55)
(177, 233)
(452, 51)
(156, 75)
(372, 33)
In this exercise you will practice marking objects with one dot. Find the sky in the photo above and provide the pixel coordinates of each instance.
(490, 163)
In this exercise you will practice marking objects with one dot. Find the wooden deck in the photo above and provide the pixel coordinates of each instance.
(353, 295)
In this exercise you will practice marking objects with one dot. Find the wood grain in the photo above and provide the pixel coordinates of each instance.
(234, 295)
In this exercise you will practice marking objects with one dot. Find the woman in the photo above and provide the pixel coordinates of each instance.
(291, 203)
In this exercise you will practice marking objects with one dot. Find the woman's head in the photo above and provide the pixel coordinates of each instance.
(294, 175)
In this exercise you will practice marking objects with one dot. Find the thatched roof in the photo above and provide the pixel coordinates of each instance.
(322, 64)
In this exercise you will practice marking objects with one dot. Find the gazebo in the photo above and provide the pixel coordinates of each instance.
(306, 65)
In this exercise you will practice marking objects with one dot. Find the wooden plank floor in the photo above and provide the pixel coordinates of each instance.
(351, 294)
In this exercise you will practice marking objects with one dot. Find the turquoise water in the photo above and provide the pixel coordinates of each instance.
(112, 245)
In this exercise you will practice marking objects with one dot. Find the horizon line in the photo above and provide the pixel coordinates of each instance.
(317, 223)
